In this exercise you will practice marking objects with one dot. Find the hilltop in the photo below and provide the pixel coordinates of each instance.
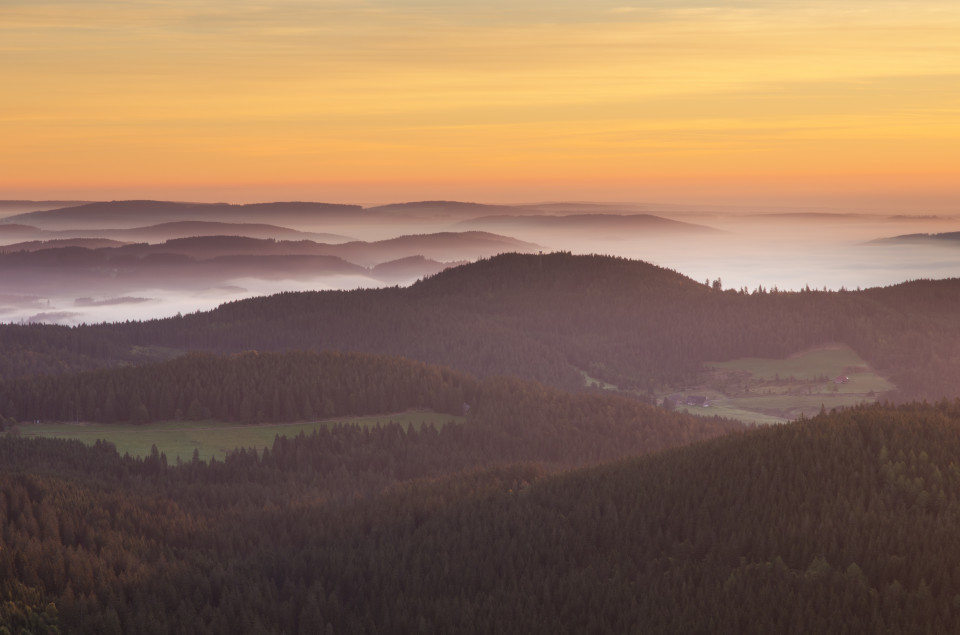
(130, 214)
(944, 239)
(635, 225)
(554, 317)
(95, 267)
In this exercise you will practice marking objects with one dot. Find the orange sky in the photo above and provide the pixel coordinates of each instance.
(373, 101)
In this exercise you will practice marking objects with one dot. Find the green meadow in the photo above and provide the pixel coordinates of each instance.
(212, 439)
(764, 391)
(811, 365)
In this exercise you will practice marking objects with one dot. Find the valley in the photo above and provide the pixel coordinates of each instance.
(395, 317)
(514, 442)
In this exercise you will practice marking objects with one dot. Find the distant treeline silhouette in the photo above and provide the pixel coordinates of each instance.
(547, 317)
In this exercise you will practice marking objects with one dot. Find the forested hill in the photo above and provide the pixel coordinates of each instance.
(844, 523)
(508, 419)
(247, 388)
(549, 317)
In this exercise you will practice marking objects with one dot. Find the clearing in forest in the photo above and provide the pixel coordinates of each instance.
(213, 439)
(757, 390)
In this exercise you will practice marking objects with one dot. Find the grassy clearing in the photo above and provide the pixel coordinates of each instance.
(768, 390)
(812, 365)
(732, 411)
(213, 439)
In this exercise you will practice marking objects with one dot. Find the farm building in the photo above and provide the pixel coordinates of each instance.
(678, 399)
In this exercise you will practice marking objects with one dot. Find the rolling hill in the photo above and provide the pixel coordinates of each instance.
(132, 214)
(606, 224)
(410, 268)
(843, 523)
(94, 267)
(59, 243)
(941, 239)
(438, 210)
(554, 317)
(190, 229)
(11, 207)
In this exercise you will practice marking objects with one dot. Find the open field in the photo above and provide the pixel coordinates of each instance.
(762, 391)
(213, 439)
(818, 363)
(766, 391)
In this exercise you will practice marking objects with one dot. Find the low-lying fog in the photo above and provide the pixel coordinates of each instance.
(156, 303)
(787, 251)
(785, 258)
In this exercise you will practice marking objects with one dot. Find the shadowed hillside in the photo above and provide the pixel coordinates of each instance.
(553, 317)
(844, 523)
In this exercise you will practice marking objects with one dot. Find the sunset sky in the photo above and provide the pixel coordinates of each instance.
(854, 102)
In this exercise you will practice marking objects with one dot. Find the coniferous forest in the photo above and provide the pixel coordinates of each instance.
(540, 507)
(843, 523)
(547, 318)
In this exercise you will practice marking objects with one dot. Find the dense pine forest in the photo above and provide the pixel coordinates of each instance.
(547, 318)
(843, 523)
(540, 507)
(508, 419)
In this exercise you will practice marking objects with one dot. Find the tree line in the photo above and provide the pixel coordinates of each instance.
(547, 318)
(845, 522)
(248, 387)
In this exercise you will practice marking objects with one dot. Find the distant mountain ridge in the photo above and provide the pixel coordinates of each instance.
(167, 231)
(591, 223)
(58, 243)
(95, 267)
(121, 214)
(127, 215)
(554, 317)
(189, 229)
(130, 214)
(940, 238)
(411, 267)
(441, 209)
(447, 246)
(8, 207)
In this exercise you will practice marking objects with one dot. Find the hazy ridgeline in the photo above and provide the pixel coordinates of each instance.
(551, 318)
(489, 522)
(73, 275)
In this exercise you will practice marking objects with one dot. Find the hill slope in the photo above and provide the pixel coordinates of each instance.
(554, 317)
(845, 523)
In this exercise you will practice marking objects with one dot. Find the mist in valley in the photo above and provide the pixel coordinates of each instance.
(165, 259)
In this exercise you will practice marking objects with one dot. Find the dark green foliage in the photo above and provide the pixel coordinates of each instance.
(844, 523)
(545, 318)
(248, 387)
(125, 545)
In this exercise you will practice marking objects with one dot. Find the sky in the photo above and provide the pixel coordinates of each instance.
(853, 103)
